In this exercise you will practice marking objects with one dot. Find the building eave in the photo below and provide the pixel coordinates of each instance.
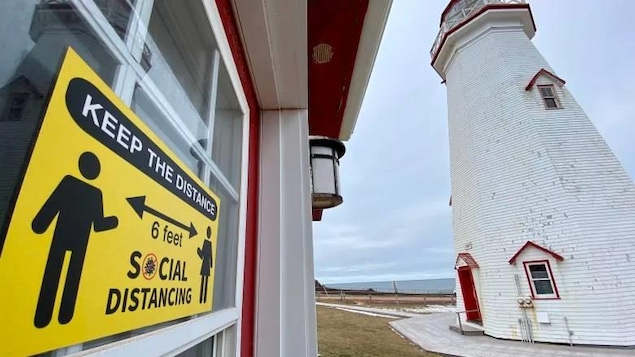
(275, 41)
(467, 259)
(534, 245)
(544, 72)
(372, 33)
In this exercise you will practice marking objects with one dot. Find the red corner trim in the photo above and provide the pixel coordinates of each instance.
(249, 286)
(547, 73)
(468, 259)
(317, 215)
(475, 15)
(534, 245)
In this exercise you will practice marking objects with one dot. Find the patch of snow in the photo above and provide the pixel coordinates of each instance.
(430, 309)
(366, 313)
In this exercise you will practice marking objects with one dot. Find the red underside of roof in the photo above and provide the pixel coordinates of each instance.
(339, 24)
(547, 73)
(532, 244)
(468, 259)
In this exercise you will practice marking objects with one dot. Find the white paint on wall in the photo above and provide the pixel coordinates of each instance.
(523, 173)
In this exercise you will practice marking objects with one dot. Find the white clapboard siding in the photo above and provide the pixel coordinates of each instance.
(523, 173)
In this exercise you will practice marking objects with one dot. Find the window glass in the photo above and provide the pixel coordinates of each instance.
(182, 51)
(34, 37)
(227, 139)
(540, 279)
(548, 95)
(227, 250)
(538, 272)
(551, 103)
(203, 349)
(546, 91)
(117, 12)
(182, 91)
(543, 287)
(148, 110)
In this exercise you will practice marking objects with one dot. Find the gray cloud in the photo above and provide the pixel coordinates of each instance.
(395, 222)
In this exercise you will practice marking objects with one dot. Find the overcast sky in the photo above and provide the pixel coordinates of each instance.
(395, 223)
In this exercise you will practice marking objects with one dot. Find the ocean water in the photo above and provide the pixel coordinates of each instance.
(428, 286)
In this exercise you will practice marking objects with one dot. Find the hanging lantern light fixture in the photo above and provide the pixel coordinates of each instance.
(325, 162)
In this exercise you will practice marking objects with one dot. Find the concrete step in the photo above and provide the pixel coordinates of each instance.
(467, 330)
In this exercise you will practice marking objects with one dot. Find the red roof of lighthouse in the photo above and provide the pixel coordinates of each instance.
(547, 73)
(532, 244)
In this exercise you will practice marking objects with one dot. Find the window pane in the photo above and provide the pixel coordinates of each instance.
(546, 91)
(34, 37)
(543, 287)
(117, 12)
(227, 250)
(538, 271)
(148, 110)
(203, 349)
(181, 47)
(551, 103)
(227, 140)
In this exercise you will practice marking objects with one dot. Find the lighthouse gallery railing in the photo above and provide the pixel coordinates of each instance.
(461, 10)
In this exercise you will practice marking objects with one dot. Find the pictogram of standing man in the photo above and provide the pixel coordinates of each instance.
(79, 210)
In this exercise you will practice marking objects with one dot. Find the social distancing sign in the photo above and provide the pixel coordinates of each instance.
(109, 232)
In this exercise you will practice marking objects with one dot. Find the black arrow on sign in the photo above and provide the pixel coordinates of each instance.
(139, 206)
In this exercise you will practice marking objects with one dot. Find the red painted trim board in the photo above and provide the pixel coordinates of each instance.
(529, 243)
(249, 286)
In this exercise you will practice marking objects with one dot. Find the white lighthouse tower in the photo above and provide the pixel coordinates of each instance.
(543, 212)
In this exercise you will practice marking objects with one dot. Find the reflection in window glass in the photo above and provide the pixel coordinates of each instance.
(34, 37)
(182, 47)
(203, 349)
(117, 12)
(148, 111)
(227, 249)
(227, 142)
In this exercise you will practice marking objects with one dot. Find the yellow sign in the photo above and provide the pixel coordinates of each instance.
(109, 232)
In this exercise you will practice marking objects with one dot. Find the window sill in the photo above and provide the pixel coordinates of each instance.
(545, 298)
(171, 339)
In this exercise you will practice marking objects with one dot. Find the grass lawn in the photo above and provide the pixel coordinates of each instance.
(347, 334)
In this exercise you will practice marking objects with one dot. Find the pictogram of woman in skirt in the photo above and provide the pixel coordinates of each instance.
(205, 253)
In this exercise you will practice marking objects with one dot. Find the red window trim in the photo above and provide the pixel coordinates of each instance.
(232, 31)
(552, 278)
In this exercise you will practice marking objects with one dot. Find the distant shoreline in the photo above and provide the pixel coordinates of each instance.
(443, 286)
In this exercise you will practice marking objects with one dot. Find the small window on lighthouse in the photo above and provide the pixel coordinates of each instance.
(541, 280)
(548, 94)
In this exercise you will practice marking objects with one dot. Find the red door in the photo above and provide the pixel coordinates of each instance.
(469, 294)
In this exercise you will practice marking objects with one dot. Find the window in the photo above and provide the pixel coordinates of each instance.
(548, 94)
(163, 60)
(541, 280)
(17, 104)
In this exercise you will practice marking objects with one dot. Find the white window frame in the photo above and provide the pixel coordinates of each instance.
(179, 337)
(550, 278)
(554, 97)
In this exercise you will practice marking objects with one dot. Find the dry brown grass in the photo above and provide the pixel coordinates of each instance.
(347, 334)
